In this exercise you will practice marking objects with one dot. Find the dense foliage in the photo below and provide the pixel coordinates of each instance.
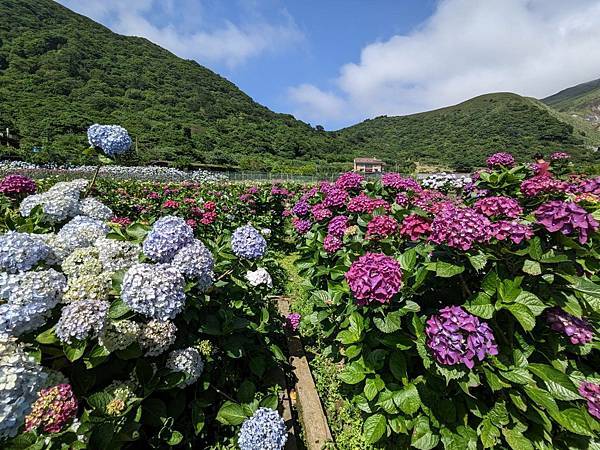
(461, 320)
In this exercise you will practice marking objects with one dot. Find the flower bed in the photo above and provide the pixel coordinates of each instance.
(463, 319)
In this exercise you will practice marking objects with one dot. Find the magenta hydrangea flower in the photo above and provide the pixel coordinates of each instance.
(399, 182)
(292, 321)
(402, 200)
(302, 226)
(559, 155)
(301, 208)
(335, 198)
(591, 186)
(362, 203)
(332, 244)
(579, 331)
(511, 229)
(567, 217)
(501, 159)
(17, 185)
(591, 392)
(349, 180)
(53, 409)
(382, 227)
(429, 200)
(454, 336)
(320, 213)
(415, 226)
(459, 227)
(542, 184)
(498, 207)
(337, 226)
(374, 277)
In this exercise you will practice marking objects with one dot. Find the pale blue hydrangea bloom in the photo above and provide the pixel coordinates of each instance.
(116, 255)
(189, 361)
(30, 297)
(156, 291)
(81, 319)
(95, 209)
(81, 231)
(247, 242)
(21, 377)
(168, 235)
(265, 430)
(195, 261)
(111, 139)
(59, 203)
(21, 251)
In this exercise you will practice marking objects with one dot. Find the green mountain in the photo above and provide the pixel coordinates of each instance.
(61, 72)
(581, 101)
(461, 135)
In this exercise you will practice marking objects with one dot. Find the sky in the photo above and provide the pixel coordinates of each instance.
(337, 62)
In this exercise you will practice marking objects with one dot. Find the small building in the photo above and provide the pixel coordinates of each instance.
(368, 165)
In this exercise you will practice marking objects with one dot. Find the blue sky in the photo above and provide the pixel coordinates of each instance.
(336, 62)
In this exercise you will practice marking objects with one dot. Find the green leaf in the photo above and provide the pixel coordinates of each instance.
(408, 259)
(478, 261)
(245, 393)
(270, 401)
(488, 433)
(578, 422)
(231, 414)
(535, 248)
(175, 438)
(390, 323)
(47, 337)
(516, 440)
(444, 269)
(523, 314)
(422, 436)
(408, 399)
(398, 367)
(353, 373)
(532, 267)
(559, 384)
(99, 400)
(154, 412)
(535, 305)
(481, 306)
(374, 428)
(75, 350)
(372, 387)
(198, 417)
(117, 309)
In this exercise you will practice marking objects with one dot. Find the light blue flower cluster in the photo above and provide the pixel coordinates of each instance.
(116, 255)
(21, 251)
(81, 319)
(29, 299)
(156, 291)
(95, 209)
(111, 139)
(168, 235)
(81, 231)
(247, 242)
(189, 361)
(20, 380)
(59, 203)
(195, 261)
(265, 430)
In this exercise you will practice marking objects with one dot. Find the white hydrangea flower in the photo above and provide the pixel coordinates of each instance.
(116, 255)
(88, 286)
(119, 335)
(83, 261)
(95, 209)
(258, 277)
(188, 361)
(82, 319)
(157, 336)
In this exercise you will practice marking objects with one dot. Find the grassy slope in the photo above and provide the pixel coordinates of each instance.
(577, 100)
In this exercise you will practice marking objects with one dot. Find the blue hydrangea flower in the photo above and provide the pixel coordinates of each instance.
(81, 231)
(82, 319)
(95, 209)
(265, 430)
(30, 298)
(21, 377)
(59, 203)
(21, 251)
(111, 139)
(187, 361)
(195, 261)
(247, 242)
(156, 291)
(168, 235)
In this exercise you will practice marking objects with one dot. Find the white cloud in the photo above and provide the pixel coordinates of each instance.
(230, 43)
(466, 48)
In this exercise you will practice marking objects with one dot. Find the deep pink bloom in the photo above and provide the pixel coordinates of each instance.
(374, 277)
(382, 227)
(414, 227)
(123, 221)
(362, 203)
(16, 185)
(559, 155)
(301, 208)
(399, 182)
(429, 199)
(402, 199)
(331, 243)
(567, 217)
(171, 204)
(286, 213)
(498, 207)
(511, 229)
(252, 190)
(501, 159)
(208, 217)
(278, 190)
(591, 392)
(337, 226)
(459, 227)
(292, 321)
(454, 336)
(591, 186)
(320, 213)
(349, 180)
(52, 410)
(579, 331)
(209, 206)
(153, 195)
(189, 201)
(192, 223)
(542, 184)
(335, 197)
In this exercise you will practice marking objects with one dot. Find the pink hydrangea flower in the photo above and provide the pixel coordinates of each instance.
(402, 200)
(579, 331)
(337, 226)
(559, 155)
(292, 321)
(301, 226)
(53, 409)
(349, 180)
(320, 213)
(171, 204)
(332, 244)
(498, 206)
(17, 185)
(542, 184)
(374, 277)
(414, 227)
(399, 182)
(591, 392)
(362, 203)
(459, 227)
(511, 229)
(381, 227)
(567, 217)
(335, 198)
(501, 159)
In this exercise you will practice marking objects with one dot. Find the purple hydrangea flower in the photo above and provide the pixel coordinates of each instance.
(542, 184)
(459, 227)
(302, 226)
(247, 242)
(331, 243)
(501, 159)
(498, 206)
(292, 321)
(362, 203)
(399, 182)
(591, 186)
(335, 198)
(374, 277)
(168, 235)
(454, 336)
(337, 226)
(301, 208)
(349, 180)
(414, 226)
(567, 217)
(579, 331)
(511, 229)
(16, 185)
(381, 227)
(320, 213)
(591, 392)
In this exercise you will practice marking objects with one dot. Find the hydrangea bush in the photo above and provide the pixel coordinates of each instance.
(473, 322)
(152, 334)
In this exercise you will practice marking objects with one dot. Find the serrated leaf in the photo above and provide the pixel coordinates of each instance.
(422, 436)
(390, 323)
(353, 373)
(398, 367)
(532, 267)
(408, 399)
(559, 384)
(444, 269)
(374, 428)
(516, 440)
(535, 305)
(478, 261)
(523, 314)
